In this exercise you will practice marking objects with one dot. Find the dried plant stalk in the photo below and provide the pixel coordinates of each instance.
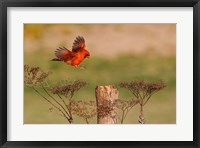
(59, 96)
(143, 91)
(107, 105)
(84, 109)
(124, 106)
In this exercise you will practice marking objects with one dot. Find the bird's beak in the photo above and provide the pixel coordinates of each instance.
(88, 57)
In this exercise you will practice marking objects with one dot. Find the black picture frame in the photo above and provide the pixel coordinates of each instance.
(4, 4)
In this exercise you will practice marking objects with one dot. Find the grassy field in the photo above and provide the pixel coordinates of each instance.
(149, 66)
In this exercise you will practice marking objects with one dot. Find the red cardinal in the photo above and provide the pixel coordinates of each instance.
(74, 57)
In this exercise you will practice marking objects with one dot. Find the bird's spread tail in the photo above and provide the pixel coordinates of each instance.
(55, 59)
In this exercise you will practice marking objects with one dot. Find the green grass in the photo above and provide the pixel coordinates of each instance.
(161, 109)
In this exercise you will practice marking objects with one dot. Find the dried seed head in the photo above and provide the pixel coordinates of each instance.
(137, 87)
(84, 109)
(34, 75)
(67, 88)
(125, 104)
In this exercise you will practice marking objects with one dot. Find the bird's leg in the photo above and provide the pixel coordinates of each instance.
(76, 66)
(80, 67)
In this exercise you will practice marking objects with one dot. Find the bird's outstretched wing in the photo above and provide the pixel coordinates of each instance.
(62, 53)
(79, 44)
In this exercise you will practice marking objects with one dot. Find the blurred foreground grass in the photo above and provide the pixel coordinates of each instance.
(150, 66)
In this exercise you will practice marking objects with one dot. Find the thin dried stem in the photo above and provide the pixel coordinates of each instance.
(69, 116)
(124, 106)
(143, 91)
(51, 103)
(35, 77)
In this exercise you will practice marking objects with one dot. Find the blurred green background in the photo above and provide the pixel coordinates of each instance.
(119, 53)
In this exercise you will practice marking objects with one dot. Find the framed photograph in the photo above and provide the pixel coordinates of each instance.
(105, 73)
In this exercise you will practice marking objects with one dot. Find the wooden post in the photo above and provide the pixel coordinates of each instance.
(105, 98)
